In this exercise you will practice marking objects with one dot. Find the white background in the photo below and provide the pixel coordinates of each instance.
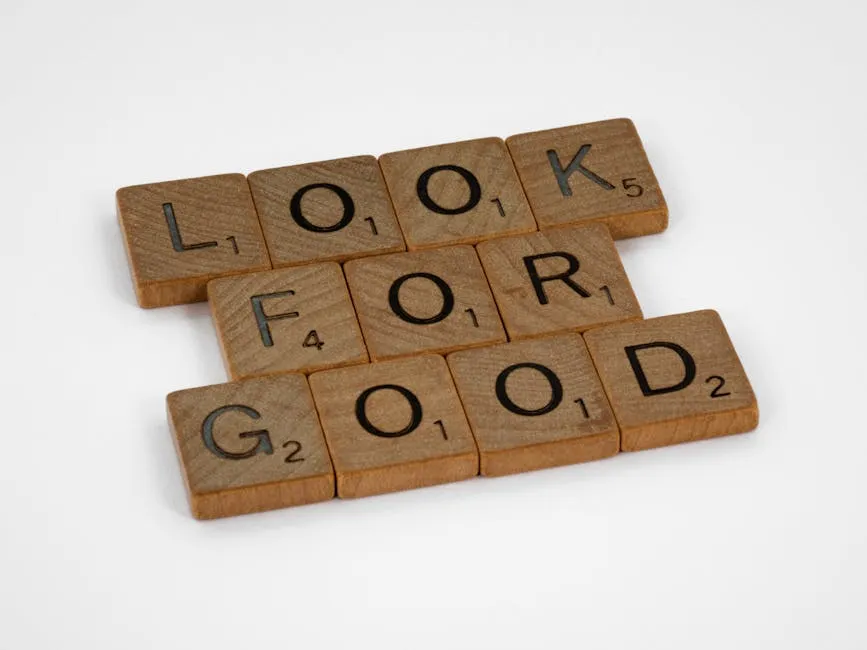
(753, 115)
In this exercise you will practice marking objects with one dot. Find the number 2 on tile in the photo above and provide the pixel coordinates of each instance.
(296, 449)
(720, 382)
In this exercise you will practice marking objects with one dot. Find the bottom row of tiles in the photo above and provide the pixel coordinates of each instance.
(288, 440)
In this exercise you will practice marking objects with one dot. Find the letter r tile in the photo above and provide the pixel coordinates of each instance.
(558, 280)
(590, 172)
(673, 379)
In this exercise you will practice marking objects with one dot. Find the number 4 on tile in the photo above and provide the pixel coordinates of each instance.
(312, 340)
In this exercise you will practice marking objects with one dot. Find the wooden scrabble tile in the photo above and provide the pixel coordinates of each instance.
(559, 279)
(673, 379)
(332, 210)
(590, 172)
(394, 426)
(534, 404)
(456, 193)
(297, 319)
(250, 446)
(181, 234)
(425, 301)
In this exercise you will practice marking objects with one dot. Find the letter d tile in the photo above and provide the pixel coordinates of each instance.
(673, 379)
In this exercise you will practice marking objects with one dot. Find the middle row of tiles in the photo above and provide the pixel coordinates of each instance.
(305, 319)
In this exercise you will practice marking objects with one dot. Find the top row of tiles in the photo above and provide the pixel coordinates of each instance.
(181, 234)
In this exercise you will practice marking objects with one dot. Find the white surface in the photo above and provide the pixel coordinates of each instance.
(753, 115)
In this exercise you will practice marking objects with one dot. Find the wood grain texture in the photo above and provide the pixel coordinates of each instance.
(612, 180)
(331, 210)
(266, 450)
(295, 319)
(412, 447)
(498, 207)
(594, 289)
(453, 299)
(216, 233)
(684, 381)
(522, 402)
